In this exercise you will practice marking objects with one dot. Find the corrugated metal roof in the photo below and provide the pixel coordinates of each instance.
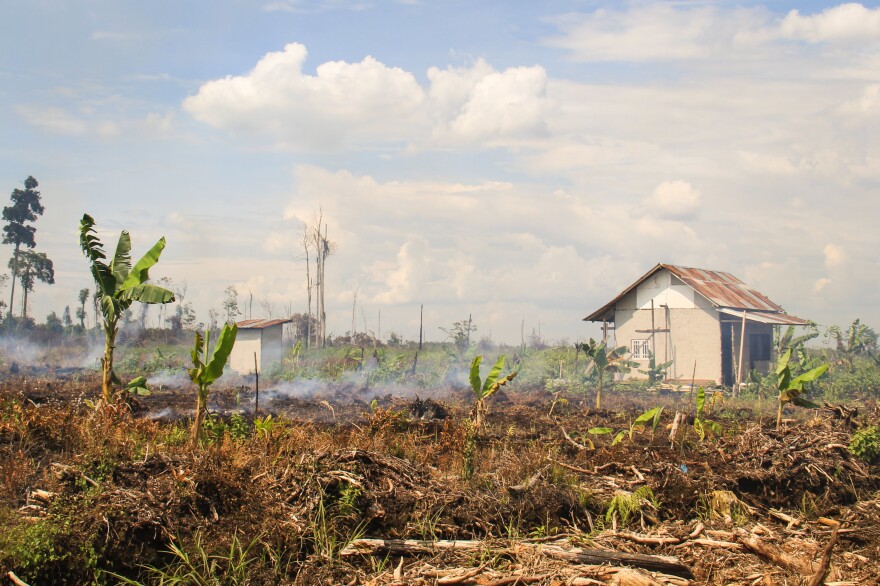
(778, 319)
(259, 324)
(721, 289)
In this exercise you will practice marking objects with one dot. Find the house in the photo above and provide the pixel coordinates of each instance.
(260, 341)
(711, 325)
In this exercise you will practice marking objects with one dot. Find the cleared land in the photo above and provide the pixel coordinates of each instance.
(332, 491)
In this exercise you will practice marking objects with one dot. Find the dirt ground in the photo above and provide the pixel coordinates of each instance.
(342, 492)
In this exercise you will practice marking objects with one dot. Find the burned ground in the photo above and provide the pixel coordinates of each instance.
(86, 491)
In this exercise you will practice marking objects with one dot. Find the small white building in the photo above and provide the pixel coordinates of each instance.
(261, 338)
(708, 323)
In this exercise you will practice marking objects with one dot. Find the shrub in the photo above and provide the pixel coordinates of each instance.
(865, 444)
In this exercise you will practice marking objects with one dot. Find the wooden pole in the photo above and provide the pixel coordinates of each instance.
(742, 341)
(653, 328)
(257, 387)
(421, 324)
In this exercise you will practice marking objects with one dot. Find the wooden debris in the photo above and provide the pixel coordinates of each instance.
(825, 562)
(775, 555)
(412, 547)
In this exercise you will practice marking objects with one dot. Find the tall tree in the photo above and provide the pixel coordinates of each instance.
(81, 310)
(314, 239)
(31, 267)
(230, 304)
(25, 208)
(120, 284)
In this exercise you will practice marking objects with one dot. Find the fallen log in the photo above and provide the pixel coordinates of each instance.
(410, 547)
(775, 555)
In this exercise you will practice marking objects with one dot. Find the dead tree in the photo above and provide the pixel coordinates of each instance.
(314, 239)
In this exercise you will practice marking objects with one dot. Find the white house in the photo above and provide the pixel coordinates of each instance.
(708, 323)
(260, 337)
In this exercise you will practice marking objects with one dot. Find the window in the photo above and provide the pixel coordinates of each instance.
(641, 349)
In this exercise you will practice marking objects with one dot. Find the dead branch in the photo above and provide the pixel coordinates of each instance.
(774, 555)
(825, 562)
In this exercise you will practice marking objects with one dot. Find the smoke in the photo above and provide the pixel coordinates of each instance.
(22, 352)
(169, 379)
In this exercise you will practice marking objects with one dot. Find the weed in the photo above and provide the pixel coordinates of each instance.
(202, 567)
(865, 444)
(625, 504)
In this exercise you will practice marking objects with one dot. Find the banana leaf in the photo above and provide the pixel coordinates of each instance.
(140, 273)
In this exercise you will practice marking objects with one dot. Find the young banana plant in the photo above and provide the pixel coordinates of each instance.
(208, 367)
(483, 389)
(118, 284)
(791, 389)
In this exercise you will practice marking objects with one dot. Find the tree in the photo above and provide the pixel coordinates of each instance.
(120, 284)
(606, 361)
(25, 208)
(230, 304)
(32, 267)
(65, 317)
(81, 310)
(314, 239)
(859, 340)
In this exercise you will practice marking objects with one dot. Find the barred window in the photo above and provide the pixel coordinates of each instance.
(641, 349)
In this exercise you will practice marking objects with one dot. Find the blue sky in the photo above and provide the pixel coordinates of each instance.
(508, 160)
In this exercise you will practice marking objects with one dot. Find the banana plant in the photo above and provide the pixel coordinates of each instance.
(208, 366)
(791, 388)
(656, 372)
(701, 424)
(606, 360)
(119, 284)
(651, 416)
(483, 389)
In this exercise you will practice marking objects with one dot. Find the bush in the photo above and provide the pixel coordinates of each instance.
(843, 385)
(865, 444)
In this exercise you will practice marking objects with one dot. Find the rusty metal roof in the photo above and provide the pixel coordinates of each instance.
(259, 324)
(721, 289)
(765, 317)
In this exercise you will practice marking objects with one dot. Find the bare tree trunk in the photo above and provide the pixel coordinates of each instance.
(305, 243)
(14, 277)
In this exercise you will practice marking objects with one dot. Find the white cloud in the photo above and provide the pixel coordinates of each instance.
(479, 104)
(835, 255)
(53, 119)
(820, 284)
(353, 105)
(343, 102)
(846, 22)
(658, 32)
(671, 200)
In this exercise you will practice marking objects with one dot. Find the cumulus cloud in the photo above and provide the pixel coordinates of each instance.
(478, 104)
(367, 103)
(820, 284)
(847, 22)
(671, 200)
(341, 102)
(835, 255)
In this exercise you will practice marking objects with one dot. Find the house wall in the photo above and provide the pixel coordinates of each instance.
(247, 341)
(272, 348)
(693, 322)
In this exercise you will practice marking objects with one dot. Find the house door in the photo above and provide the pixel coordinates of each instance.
(727, 378)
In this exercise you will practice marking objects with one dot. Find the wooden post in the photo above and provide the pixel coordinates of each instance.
(605, 331)
(421, 324)
(653, 329)
(742, 341)
(257, 387)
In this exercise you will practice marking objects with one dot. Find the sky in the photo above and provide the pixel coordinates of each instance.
(519, 162)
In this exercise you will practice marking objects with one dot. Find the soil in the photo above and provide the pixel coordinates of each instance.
(748, 506)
